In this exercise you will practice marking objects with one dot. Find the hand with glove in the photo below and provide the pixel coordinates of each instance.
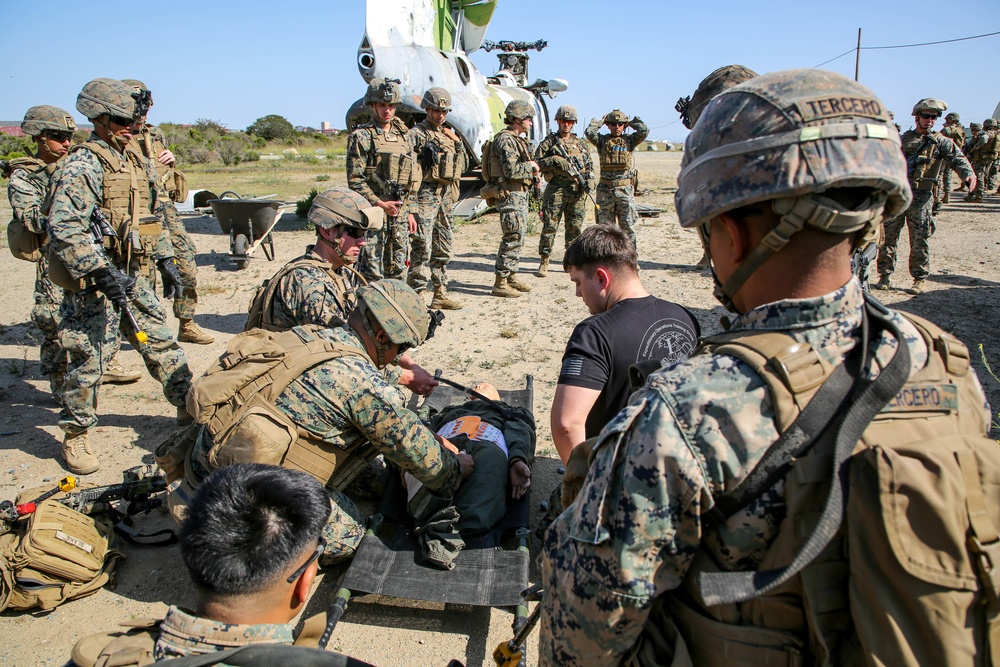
(113, 284)
(172, 288)
(560, 162)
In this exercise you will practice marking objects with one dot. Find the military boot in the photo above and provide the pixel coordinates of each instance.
(501, 288)
(543, 268)
(443, 301)
(918, 287)
(76, 452)
(973, 199)
(189, 332)
(517, 284)
(115, 373)
(882, 284)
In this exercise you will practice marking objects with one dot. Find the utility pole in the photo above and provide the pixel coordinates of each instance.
(857, 57)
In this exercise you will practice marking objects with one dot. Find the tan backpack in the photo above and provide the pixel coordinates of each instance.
(905, 575)
(61, 555)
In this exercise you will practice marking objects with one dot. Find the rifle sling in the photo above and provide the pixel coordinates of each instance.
(133, 536)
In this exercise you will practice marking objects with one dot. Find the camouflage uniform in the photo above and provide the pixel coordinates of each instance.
(347, 403)
(28, 187)
(90, 326)
(956, 133)
(918, 218)
(183, 634)
(615, 189)
(512, 205)
(149, 144)
(694, 431)
(983, 152)
(435, 200)
(385, 254)
(313, 295)
(563, 194)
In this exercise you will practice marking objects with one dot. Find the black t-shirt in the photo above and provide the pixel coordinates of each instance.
(603, 346)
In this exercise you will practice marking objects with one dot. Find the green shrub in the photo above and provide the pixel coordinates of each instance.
(251, 156)
(323, 177)
(12, 147)
(302, 206)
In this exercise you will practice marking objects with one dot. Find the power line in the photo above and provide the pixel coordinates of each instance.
(849, 51)
(944, 41)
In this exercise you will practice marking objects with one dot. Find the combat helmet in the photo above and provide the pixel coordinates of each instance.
(343, 207)
(142, 95)
(44, 117)
(989, 123)
(398, 311)
(975, 127)
(383, 91)
(785, 143)
(690, 108)
(436, 98)
(929, 104)
(616, 116)
(566, 112)
(106, 96)
(517, 110)
(953, 116)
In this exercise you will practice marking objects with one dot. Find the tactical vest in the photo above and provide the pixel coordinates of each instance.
(495, 168)
(261, 307)
(922, 151)
(574, 149)
(991, 149)
(174, 182)
(393, 161)
(451, 163)
(24, 243)
(956, 133)
(235, 399)
(904, 580)
(616, 161)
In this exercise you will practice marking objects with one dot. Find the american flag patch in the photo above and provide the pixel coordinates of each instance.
(572, 366)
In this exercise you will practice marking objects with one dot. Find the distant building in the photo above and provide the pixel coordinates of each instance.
(11, 130)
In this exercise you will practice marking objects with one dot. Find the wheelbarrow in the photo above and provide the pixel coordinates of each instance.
(249, 223)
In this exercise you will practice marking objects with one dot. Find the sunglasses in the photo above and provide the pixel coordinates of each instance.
(615, 124)
(929, 116)
(121, 121)
(316, 554)
(59, 137)
(354, 232)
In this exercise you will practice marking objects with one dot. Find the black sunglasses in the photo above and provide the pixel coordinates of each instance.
(929, 116)
(316, 554)
(59, 137)
(120, 120)
(615, 124)
(354, 232)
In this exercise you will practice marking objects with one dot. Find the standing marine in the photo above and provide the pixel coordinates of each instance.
(926, 153)
(442, 158)
(564, 159)
(104, 186)
(511, 170)
(381, 167)
(616, 187)
(149, 141)
(984, 151)
(51, 128)
(953, 130)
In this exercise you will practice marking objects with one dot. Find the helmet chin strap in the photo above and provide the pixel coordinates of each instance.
(346, 259)
(115, 140)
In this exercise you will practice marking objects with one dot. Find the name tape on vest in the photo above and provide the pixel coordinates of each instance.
(921, 398)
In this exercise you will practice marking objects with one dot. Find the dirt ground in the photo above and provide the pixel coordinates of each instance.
(500, 340)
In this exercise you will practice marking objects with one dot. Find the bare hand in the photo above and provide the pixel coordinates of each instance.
(414, 377)
(166, 158)
(971, 182)
(520, 479)
(411, 223)
(391, 208)
(467, 464)
(534, 167)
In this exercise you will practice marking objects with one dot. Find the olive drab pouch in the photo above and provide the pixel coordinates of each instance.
(24, 243)
(60, 275)
(62, 555)
(130, 647)
(490, 163)
(905, 575)
(179, 192)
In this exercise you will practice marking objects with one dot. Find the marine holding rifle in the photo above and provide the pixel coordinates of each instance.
(926, 152)
(102, 186)
(381, 167)
(564, 159)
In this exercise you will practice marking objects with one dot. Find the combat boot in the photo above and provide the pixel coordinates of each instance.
(543, 268)
(443, 301)
(973, 199)
(517, 284)
(189, 332)
(882, 284)
(501, 288)
(77, 455)
(918, 287)
(115, 373)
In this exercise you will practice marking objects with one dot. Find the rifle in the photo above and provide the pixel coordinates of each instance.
(576, 171)
(137, 487)
(101, 227)
(915, 159)
(861, 261)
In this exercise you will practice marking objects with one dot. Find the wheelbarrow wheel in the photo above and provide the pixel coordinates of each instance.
(240, 246)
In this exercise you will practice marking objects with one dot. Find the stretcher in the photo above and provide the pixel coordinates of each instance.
(492, 569)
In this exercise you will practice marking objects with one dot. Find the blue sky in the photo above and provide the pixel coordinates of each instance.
(237, 61)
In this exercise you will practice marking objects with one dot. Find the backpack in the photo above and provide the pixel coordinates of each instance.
(60, 555)
(885, 555)
(234, 402)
